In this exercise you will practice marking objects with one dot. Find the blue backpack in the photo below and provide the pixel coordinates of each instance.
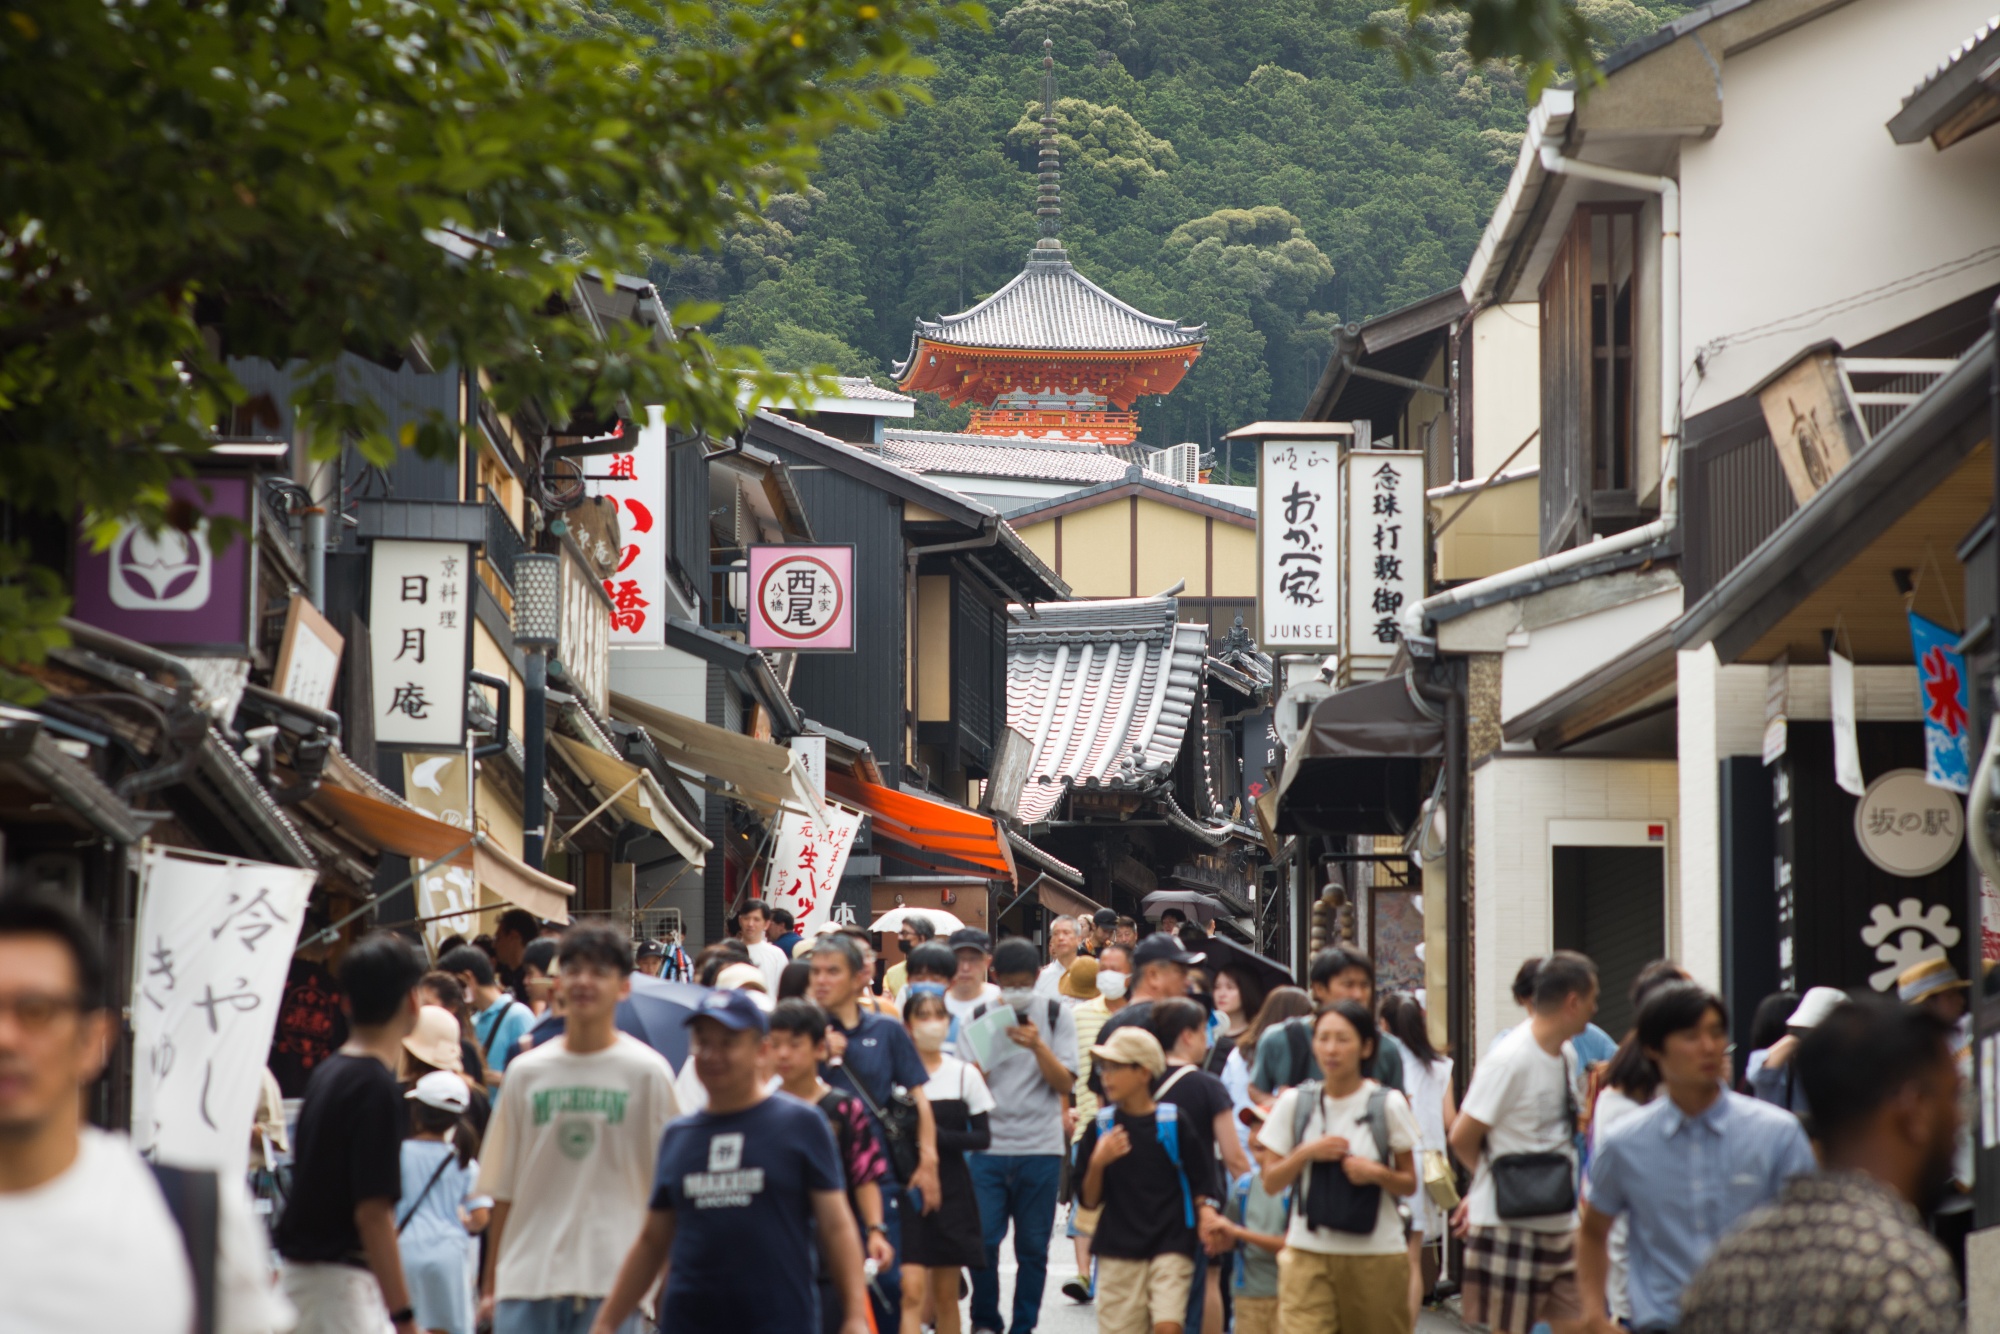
(1166, 1124)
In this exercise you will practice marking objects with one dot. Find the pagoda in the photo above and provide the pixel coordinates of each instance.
(1051, 355)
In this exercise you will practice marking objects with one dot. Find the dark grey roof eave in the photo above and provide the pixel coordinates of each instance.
(1910, 458)
(1945, 92)
(752, 665)
(1622, 560)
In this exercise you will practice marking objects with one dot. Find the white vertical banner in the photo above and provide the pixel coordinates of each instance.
(1385, 551)
(215, 939)
(1846, 743)
(420, 639)
(637, 484)
(1298, 546)
(806, 864)
(811, 751)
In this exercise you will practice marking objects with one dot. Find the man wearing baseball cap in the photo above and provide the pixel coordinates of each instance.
(1156, 1187)
(971, 993)
(1159, 971)
(650, 957)
(736, 1184)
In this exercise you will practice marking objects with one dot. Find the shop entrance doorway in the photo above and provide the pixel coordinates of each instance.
(1610, 903)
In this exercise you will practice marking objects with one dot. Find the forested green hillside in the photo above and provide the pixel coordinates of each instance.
(1244, 163)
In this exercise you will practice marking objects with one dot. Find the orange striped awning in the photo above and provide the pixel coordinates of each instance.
(928, 832)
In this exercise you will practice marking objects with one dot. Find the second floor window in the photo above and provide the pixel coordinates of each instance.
(1589, 388)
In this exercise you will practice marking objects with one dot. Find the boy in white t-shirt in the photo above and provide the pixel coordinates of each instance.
(1345, 1146)
(1521, 1270)
(571, 1149)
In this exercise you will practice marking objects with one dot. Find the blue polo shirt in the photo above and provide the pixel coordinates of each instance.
(498, 1029)
(1683, 1182)
(881, 1057)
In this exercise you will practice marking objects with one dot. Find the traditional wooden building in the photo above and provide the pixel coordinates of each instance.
(1051, 355)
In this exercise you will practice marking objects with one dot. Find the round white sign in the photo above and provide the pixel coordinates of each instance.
(1906, 826)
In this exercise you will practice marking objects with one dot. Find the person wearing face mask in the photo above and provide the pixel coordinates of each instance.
(1017, 1178)
(1111, 974)
(937, 1245)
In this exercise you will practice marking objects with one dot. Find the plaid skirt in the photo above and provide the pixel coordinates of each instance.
(1515, 1278)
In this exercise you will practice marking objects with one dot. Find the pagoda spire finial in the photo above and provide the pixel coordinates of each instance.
(1048, 189)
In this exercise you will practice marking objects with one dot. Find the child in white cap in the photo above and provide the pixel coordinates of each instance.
(440, 1209)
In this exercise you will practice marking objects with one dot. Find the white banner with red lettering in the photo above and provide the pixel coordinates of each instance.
(637, 484)
(806, 864)
(215, 941)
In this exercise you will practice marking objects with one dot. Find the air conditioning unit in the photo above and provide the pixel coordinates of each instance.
(1180, 462)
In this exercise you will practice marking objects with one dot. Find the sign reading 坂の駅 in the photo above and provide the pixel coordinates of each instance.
(802, 598)
(1298, 546)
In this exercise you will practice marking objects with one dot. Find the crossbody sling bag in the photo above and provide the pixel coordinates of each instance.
(899, 1124)
(425, 1193)
(1536, 1185)
(1330, 1200)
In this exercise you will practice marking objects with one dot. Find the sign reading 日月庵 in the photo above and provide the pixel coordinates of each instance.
(802, 598)
(419, 631)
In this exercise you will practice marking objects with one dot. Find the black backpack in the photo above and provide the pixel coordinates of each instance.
(194, 1199)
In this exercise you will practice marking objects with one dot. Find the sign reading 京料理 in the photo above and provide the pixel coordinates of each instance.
(807, 862)
(1385, 552)
(215, 938)
(1946, 701)
(637, 484)
(1298, 546)
(802, 598)
(420, 636)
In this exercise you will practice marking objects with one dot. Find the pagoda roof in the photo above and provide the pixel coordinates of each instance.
(1050, 307)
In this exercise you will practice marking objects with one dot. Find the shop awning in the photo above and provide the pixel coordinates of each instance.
(635, 795)
(758, 773)
(1357, 766)
(926, 832)
(409, 833)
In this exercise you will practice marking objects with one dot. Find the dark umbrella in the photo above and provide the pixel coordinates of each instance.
(1219, 952)
(655, 1013)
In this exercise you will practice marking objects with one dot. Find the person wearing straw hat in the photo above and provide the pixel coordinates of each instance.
(1934, 985)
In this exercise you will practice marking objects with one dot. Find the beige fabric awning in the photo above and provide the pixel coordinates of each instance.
(636, 796)
(767, 776)
(410, 833)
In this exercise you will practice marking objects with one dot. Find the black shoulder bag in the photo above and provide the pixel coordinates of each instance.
(193, 1198)
(1536, 1185)
(899, 1125)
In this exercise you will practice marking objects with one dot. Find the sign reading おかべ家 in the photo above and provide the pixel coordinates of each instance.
(802, 598)
(419, 632)
(1298, 546)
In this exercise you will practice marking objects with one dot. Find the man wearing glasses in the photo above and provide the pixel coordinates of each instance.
(80, 1211)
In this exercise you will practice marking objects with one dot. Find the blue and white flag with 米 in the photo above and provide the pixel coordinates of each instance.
(1946, 699)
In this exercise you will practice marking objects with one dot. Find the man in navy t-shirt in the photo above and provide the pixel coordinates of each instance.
(754, 1174)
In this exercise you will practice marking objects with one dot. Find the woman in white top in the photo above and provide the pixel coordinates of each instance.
(937, 1245)
(1427, 1082)
(1345, 1264)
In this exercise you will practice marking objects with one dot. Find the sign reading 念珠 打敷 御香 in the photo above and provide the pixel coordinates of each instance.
(1298, 545)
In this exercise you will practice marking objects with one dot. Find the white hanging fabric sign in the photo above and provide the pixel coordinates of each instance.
(806, 864)
(1846, 744)
(215, 941)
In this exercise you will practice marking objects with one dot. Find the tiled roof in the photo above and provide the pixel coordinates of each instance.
(860, 386)
(983, 456)
(1104, 689)
(1049, 305)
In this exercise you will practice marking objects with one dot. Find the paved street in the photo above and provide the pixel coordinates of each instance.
(1060, 1315)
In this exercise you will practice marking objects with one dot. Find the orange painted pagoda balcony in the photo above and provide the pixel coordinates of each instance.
(1103, 428)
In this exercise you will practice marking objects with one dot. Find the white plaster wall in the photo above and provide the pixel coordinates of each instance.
(1540, 662)
(1802, 201)
(1720, 713)
(664, 677)
(1514, 800)
(1506, 384)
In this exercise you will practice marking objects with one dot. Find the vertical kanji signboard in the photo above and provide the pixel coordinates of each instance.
(1385, 552)
(1298, 546)
(637, 484)
(420, 639)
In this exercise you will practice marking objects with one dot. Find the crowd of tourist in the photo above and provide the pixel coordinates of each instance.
(849, 1147)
